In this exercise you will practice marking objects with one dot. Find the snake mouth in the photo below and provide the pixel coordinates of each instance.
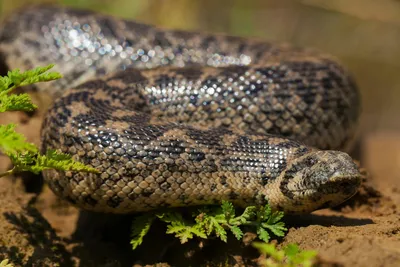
(338, 190)
(333, 192)
(348, 185)
(330, 194)
(342, 185)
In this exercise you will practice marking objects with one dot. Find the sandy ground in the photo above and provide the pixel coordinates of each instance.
(41, 230)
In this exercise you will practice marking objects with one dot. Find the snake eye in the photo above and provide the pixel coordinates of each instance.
(310, 161)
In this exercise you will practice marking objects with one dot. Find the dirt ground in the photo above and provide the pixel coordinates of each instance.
(41, 230)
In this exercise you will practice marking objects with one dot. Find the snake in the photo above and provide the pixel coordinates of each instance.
(173, 118)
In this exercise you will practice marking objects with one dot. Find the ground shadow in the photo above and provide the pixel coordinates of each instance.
(48, 247)
(323, 220)
(110, 233)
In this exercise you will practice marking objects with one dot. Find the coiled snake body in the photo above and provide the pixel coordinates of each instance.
(190, 118)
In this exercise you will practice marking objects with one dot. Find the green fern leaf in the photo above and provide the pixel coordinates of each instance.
(278, 229)
(32, 76)
(228, 210)
(214, 226)
(20, 102)
(181, 228)
(246, 216)
(140, 227)
(12, 142)
(185, 232)
(275, 217)
(237, 232)
(5, 84)
(34, 162)
(263, 234)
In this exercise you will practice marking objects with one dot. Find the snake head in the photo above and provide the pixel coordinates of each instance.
(316, 180)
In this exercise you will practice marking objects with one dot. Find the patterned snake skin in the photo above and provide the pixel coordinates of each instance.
(174, 118)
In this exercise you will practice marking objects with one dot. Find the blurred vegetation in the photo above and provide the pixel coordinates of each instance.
(364, 34)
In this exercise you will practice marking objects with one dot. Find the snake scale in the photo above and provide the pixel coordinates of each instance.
(173, 118)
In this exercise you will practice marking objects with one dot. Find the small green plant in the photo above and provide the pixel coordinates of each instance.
(212, 221)
(23, 155)
(289, 256)
(5, 263)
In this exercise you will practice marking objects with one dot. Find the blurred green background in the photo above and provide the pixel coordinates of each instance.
(364, 34)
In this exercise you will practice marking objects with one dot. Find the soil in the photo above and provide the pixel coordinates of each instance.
(38, 229)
